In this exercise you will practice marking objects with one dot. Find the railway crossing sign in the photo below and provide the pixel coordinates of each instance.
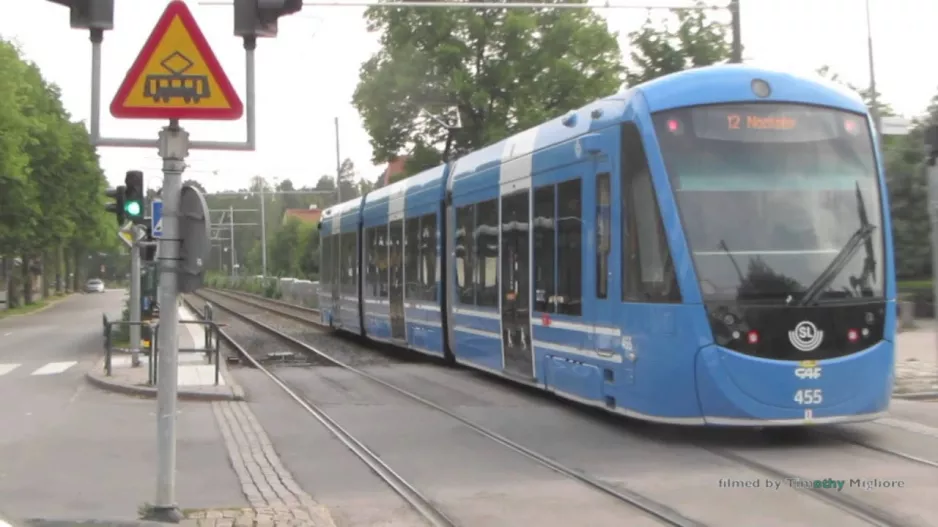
(176, 75)
(156, 218)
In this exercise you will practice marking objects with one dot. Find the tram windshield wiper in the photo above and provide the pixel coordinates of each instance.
(843, 256)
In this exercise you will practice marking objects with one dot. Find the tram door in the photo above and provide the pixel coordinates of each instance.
(516, 285)
(396, 279)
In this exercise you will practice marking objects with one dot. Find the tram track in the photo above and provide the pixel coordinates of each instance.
(303, 315)
(857, 508)
(423, 506)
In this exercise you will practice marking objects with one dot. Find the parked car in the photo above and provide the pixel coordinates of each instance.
(95, 285)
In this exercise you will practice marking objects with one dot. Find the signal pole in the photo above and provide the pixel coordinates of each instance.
(135, 296)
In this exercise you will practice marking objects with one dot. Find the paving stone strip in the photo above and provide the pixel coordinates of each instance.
(276, 500)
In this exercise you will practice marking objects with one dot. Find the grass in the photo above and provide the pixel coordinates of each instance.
(914, 285)
(35, 306)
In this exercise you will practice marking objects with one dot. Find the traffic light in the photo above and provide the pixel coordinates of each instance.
(90, 14)
(116, 208)
(258, 18)
(133, 196)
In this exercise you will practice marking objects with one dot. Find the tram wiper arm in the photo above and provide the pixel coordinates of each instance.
(837, 264)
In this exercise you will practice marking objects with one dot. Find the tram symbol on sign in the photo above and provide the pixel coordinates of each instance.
(190, 88)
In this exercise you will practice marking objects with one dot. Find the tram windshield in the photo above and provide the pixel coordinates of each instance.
(779, 202)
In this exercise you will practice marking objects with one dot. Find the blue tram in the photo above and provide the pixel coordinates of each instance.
(708, 248)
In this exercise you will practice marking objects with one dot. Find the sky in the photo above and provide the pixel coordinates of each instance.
(307, 75)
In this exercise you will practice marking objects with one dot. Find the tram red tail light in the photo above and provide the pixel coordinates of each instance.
(853, 335)
(752, 337)
(674, 126)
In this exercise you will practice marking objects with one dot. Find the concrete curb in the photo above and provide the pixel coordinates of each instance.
(98, 380)
(917, 396)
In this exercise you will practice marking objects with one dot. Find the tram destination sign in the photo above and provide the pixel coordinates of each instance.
(774, 123)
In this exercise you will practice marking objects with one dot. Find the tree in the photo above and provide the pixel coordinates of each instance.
(47, 165)
(504, 70)
(659, 50)
(907, 184)
(875, 104)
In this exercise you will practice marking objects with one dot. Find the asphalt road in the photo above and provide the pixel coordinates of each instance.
(73, 452)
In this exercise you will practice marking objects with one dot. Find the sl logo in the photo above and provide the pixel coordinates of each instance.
(806, 336)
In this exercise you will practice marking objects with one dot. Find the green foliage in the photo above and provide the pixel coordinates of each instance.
(266, 287)
(47, 166)
(908, 187)
(504, 70)
(659, 49)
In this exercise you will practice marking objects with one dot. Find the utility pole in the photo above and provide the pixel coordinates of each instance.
(737, 24)
(263, 234)
(877, 116)
(231, 235)
(931, 160)
(338, 165)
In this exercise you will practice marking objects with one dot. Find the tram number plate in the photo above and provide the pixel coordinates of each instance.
(809, 396)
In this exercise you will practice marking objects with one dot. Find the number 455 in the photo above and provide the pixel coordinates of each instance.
(809, 396)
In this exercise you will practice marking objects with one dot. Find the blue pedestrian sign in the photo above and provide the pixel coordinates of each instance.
(156, 218)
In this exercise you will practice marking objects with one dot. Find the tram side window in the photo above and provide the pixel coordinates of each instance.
(544, 254)
(411, 258)
(350, 267)
(569, 297)
(324, 265)
(486, 253)
(465, 254)
(340, 277)
(603, 237)
(353, 247)
(381, 258)
(373, 262)
(648, 270)
(428, 256)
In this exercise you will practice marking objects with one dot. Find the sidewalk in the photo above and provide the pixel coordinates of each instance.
(917, 361)
(273, 496)
(195, 378)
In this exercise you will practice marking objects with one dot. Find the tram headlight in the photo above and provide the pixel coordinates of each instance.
(761, 88)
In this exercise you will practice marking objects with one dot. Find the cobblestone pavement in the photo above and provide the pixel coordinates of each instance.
(276, 499)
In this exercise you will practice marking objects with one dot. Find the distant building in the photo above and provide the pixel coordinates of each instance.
(395, 167)
(310, 215)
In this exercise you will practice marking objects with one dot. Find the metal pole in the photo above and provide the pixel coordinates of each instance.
(174, 148)
(737, 24)
(263, 234)
(231, 233)
(931, 167)
(877, 117)
(338, 165)
(135, 296)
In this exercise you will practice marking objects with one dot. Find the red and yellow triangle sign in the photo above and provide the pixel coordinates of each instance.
(176, 75)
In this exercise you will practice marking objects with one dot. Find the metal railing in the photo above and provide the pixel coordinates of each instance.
(210, 345)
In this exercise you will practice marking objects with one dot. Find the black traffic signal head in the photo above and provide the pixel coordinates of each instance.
(116, 208)
(90, 14)
(258, 18)
(133, 196)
